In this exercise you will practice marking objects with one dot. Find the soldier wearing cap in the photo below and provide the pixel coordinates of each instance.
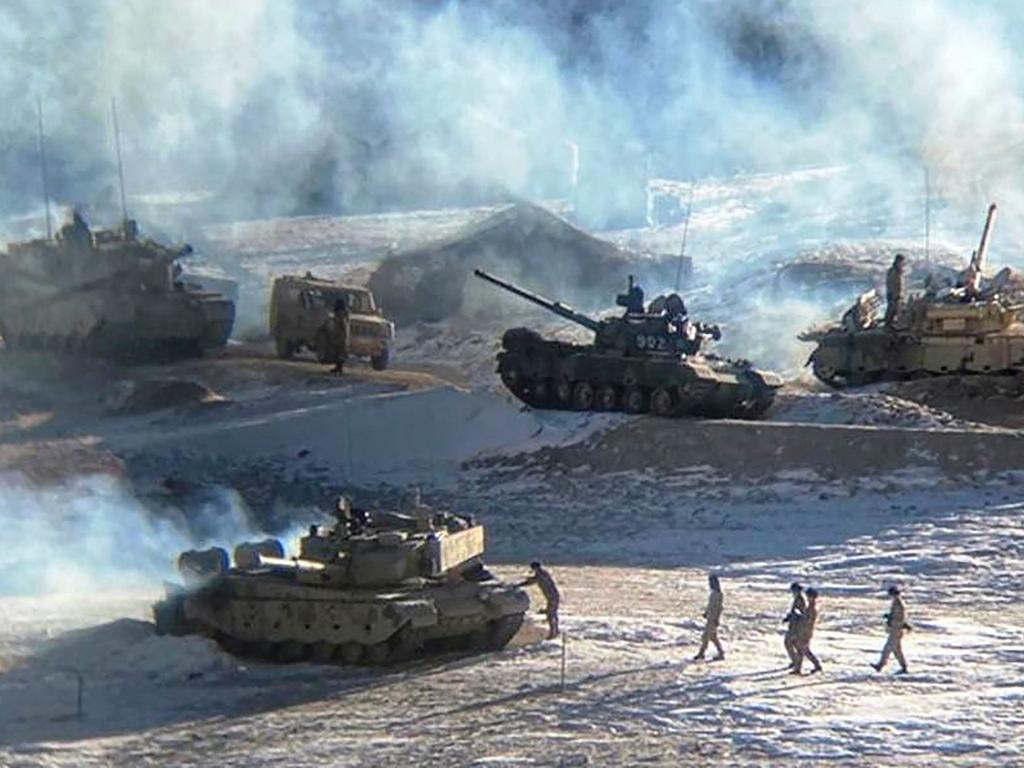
(896, 624)
(712, 618)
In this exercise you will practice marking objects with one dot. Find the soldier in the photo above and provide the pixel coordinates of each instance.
(972, 282)
(894, 285)
(339, 334)
(804, 633)
(632, 299)
(796, 612)
(712, 616)
(896, 623)
(543, 580)
(77, 233)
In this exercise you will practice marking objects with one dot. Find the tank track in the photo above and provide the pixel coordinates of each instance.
(149, 350)
(402, 646)
(699, 398)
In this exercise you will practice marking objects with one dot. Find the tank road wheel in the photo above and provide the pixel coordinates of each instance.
(284, 348)
(663, 402)
(322, 347)
(634, 400)
(501, 631)
(540, 393)
(404, 644)
(607, 398)
(511, 377)
(583, 396)
(563, 393)
(289, 651)
(377, 653)
(350, 653)
(322, 652)
(828, 375)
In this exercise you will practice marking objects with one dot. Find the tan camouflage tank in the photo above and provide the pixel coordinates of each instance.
(106, 293)
(375, 589)
(936, 333)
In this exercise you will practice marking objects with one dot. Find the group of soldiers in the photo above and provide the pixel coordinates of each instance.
(800, 622)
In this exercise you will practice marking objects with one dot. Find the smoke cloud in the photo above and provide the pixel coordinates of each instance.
(289, 107)
(91, 533)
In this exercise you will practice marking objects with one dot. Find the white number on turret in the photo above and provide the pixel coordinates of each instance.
(653, 343)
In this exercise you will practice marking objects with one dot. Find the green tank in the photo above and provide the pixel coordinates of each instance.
(106, 293)
(648, 360)
(376, 588)
(966, 329)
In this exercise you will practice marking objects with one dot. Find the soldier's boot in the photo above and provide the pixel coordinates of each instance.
(877, 666)
(699, 656)
(902, 671)
(719, 656)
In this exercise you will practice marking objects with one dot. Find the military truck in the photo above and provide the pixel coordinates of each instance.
(300, 312)
(963, 329)
(376, 588)
(650, 359)
(107, 293)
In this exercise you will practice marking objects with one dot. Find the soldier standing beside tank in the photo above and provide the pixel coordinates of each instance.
(804, 633)
(546, 584)
(791, 620)
(895, 282)
(712, 618)
(896, 624)
(340, 329)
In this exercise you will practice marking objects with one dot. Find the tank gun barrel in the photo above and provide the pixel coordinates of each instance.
(982, 254)
(552, 306)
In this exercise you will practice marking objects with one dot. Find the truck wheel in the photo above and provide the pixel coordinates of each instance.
(380, 362)
(322, 347)
(284, 348)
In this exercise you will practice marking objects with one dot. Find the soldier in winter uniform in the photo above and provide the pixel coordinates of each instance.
(546, 584)
(895, 282)
(896, 624)
(805, 631)
(796, 611)
(340, 332)
(712, 617)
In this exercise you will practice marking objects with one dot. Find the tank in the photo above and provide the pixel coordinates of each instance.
(107, 293)
(965, 329)
(375, 588)
(648, 360)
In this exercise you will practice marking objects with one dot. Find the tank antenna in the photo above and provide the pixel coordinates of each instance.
(120, 164)
(927, 216)
(686, 229)
(42, 166)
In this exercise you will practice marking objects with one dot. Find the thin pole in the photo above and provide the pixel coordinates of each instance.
(563, 662)
(686, 229)
(120, 165)
(927, 216)
(42, 165)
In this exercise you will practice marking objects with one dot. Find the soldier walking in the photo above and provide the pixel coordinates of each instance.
(796, 611)
(712, 618)
(895, 282)
(896, 624)
(340, 329)
(804, 633)
(542, 578)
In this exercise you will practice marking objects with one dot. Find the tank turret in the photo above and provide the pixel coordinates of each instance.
(107, 293)
(374, 587)
(646, 359)
(967, 329)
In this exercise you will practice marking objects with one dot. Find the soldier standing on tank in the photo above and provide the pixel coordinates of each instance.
(895, 282)
(712, 618)
(77, 234)
(542, 578)
(804, 633)
(340, 331)
(896, 624)
(791, 620)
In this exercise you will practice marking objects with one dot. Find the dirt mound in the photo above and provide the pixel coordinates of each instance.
(429, 283)
(995, 400)
(134, 397)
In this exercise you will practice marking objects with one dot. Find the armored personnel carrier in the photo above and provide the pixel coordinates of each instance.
(965, 329)
(648, 360)
(107, 293)
(374, 589)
